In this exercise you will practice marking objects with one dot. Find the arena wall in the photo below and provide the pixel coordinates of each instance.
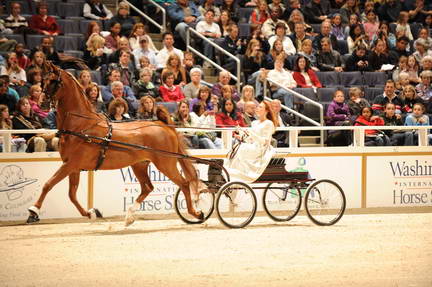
(371, 177)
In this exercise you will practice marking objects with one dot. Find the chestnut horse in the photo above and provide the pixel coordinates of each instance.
(75, 116)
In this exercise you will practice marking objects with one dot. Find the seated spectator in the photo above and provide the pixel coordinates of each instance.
(413, 70)
(183, 14)
(227, 92)
(403, 82)
(94, 9)
(6, 98)
(18, 144)
(275, 51)
(389, 10)
(426, 63)
(325, 33)
(36, 97)
(147, 109)
(402, 22)
(304, 75)
(249, 113)
(137, 34)
(277, 4)
(224, 79)
(84, 78)
(209, 29)
(126, 68)
(254, 59)
(189, 64)
(229, 116)
(350, 7)
(122, 45)
(283, 78)
(232, 7)
(174, 66)
(248, 95)
(17, 23)
(418, 118)
(397, 137)
(284, 120)
(113, 76)
(389, 96)
(126, 21)
(298, 36)
(409, 97)
(118, 110)
(288, 45)
(144, 86)
(269, 26)
(356, 38)
(168, 90)
(402, 67)
(308, 52)
(399, 50)
(191, 90)
(233, 44)
(327, 58)
(356, 102)
(34, 76)
(338, 112)
(144, 50)
(117, 90)
(358, 61)
(337, 28)
(92, 92)
(94, 54)
(379, 56)
(424, 35)
(47, 47)
(209, 5)
(23, 60)
(385, 34)
(224, 23)
(203, 97)
(371, 25)
(372, 137)
(296, 17)
(111, 41)
(168, 48)
(256, 34)
(422, 50)
(182, 119)
(92, 28)
(424, 88)
(42, 23)
(17, 75)
(315, 12)
(259, 14)
(24, 119)
(7, 45)
(202, 118)
(38, 60)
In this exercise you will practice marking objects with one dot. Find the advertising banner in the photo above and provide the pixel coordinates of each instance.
(399, 181)
(21, 184)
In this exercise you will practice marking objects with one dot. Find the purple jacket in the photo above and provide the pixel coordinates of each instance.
(337, 113)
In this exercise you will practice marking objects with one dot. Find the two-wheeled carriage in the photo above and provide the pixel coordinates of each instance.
(236, 203)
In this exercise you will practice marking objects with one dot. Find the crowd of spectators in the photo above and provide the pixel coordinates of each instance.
(288, 42)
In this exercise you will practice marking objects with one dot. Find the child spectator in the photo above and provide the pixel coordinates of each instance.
(402, 22)
(417, 118)
(397, 137)
(379, 56)
(356, 38)
(18, 143)
(337, 27)
(338, 112)
(144, 86)
(372, 137)
(413, 69)
(23, 60)
(95, 55)
(202, 118)
(112, 39)
(36, 98)
(371, 25)
(356, 102)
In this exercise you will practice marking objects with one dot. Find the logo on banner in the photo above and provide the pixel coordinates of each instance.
(412, 182)
(12, 185)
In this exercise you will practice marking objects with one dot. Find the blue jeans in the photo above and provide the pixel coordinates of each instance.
(284, 96)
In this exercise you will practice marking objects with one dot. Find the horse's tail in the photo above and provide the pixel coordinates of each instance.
(186, 165)
(163, 115)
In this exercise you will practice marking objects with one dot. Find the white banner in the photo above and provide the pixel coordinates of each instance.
(21, 184)
(399, 181)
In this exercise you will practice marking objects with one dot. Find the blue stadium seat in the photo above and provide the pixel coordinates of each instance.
(244, 14)
(375, 78)
(66, 10)
(25, 8)
(325, 95)
(343, 47)
(17, 37)
(69, 26)
(349, 79)
(96, 77)
(415, 29)
(329, 79)
(33, 40)
(74, 53)
(372, 92)
(244, 30)
(66, 42)
(83, 24)
(307, 92)
(171, 106)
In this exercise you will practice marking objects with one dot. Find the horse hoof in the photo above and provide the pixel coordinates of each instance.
(94, 213)
(33, 217)
(129, 220)
(201, 216)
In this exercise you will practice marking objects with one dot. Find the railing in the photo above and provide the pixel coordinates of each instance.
(217, 47)
(358, 137)
(150, 19)
(318, 105)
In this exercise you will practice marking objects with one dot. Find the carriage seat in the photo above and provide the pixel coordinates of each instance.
(276, 172)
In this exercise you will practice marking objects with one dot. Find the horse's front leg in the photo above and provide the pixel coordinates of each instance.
(60, 174)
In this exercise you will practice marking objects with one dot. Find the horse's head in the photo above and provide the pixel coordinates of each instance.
(51, 81)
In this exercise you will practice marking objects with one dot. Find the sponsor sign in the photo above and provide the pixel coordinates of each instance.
(399, 181)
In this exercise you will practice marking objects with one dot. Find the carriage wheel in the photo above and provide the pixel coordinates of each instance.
(325, 202)
(281, 202)
(205, 203)
(236, 204)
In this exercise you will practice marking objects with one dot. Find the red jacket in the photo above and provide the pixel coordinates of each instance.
(301, 82)
(377, 122)
(50, 25)
(225, 121)
(175, 95)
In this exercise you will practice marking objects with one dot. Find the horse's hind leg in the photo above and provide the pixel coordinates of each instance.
(59, 175)
(140, 171)
(168, 166)
(73, 188)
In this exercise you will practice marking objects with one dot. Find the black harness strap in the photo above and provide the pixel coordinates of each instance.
(105, 144)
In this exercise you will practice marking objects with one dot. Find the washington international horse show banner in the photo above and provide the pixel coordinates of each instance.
(391, 181)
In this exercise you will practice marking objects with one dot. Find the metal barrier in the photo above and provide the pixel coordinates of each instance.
(318, 105)
(148, 18)
(217, 47)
